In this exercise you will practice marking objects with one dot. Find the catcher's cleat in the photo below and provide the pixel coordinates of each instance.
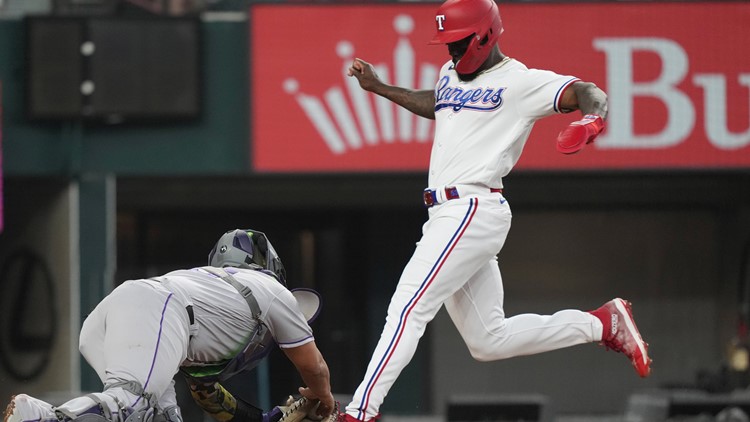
(9, 410)
(24, 408)
(621, 334)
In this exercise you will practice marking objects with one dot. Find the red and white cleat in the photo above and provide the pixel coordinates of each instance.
(622, 335)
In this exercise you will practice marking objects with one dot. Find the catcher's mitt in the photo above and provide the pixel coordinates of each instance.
(304, 410)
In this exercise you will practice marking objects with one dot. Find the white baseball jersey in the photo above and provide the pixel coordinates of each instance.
(482, 126)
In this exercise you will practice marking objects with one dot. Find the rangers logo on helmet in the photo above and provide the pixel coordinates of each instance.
(440, 19)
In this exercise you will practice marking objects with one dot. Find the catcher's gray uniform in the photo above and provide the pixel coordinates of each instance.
(146, 329)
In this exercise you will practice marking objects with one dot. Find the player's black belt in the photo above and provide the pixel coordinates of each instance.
(190, 313)
(432, 196)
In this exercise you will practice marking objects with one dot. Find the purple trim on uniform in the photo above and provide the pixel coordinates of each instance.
(295, 342)
(156, 350)
(473, 204)
(559, 94)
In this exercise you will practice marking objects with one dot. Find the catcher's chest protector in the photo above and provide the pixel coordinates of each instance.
(254, 351)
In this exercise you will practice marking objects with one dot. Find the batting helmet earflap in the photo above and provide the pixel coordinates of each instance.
(247, 248)
(459, 19)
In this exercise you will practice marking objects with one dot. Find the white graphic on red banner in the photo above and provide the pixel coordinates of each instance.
(343, 128)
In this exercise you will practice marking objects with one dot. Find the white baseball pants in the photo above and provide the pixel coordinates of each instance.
(454, 264)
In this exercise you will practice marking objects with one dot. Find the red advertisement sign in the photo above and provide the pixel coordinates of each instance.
(676, 74)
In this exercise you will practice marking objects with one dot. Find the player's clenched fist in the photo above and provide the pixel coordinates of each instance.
(365, 74)
(579, 133)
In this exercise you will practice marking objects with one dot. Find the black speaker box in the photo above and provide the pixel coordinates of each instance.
(684, 404)
(113, 69)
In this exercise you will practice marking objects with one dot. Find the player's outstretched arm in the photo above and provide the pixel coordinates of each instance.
(419, 102)
(592, 102)
(314, 372)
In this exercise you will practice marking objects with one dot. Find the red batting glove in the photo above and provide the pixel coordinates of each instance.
(579, 133)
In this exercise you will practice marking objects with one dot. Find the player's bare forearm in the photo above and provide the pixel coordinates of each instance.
(316, 377)
(419, 102)
(318, 386)
(589, 99)
(314, 372)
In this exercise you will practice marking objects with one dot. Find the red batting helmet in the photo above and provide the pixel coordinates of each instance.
(458, 19)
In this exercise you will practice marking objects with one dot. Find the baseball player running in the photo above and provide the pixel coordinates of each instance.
(208, 323)
(484, 105)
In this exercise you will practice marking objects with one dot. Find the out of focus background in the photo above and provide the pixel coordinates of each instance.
(135, 132)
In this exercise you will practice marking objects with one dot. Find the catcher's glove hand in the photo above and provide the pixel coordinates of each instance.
(305, 410)
(297, 410)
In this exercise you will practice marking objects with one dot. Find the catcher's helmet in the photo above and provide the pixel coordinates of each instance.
(247, 248)
(459, 19)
